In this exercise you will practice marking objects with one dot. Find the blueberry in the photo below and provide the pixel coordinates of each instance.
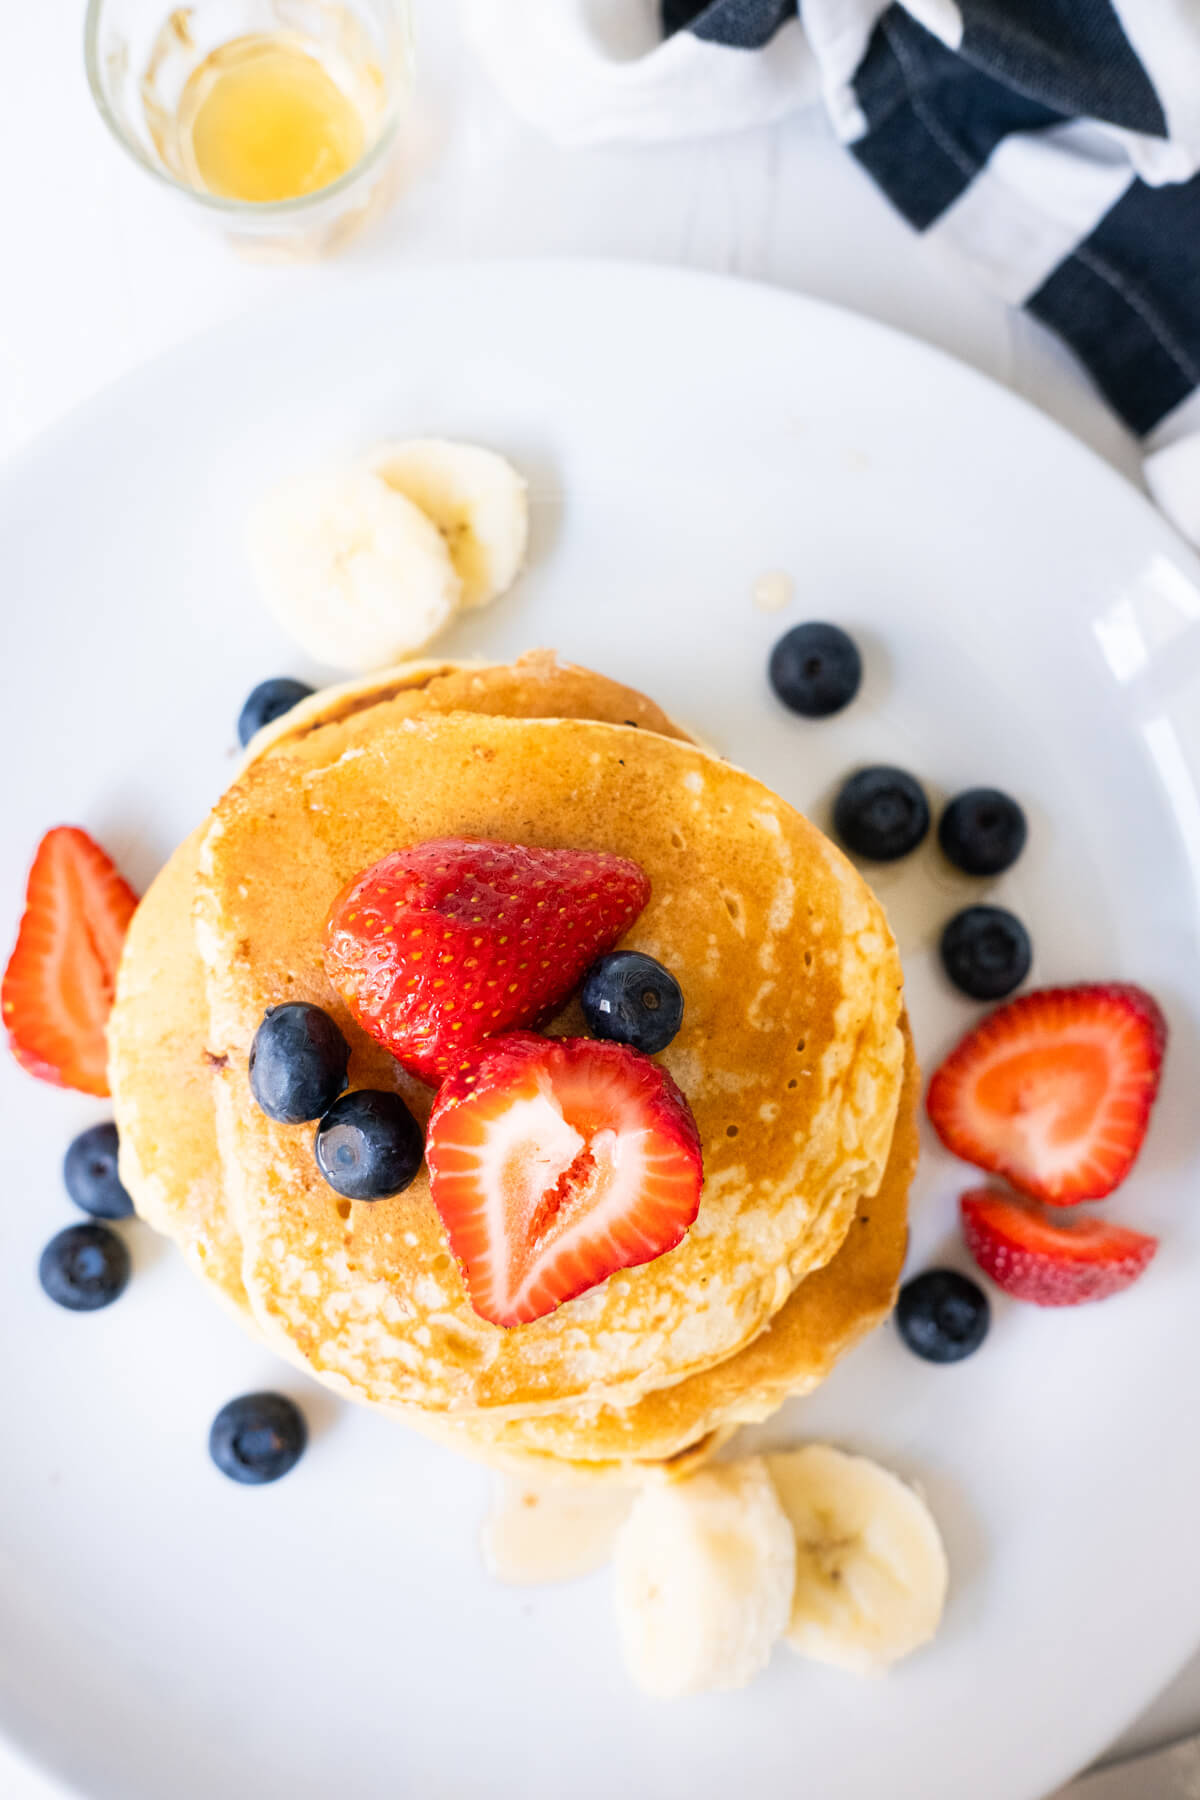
(90, 1174)
(268, 701)
(257, 1438)
(982, 831)
(942, 1315)
(816, 670)
(986, 952)
(881, 814)
(298, 1062)
(631, 999)
(84, 1268)
(369, 1145)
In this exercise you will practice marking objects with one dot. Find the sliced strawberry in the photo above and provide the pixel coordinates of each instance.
(1054, 1090)
(453, 941)
(1030, 1257)
(555, 1161)
(58, 986)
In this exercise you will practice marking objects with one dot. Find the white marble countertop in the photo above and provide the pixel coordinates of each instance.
(102, 272)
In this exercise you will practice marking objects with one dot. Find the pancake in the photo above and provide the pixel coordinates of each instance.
(826, 1316)
(160, 1076)
(790, 1052)
(160, 1065)
(167, 1125)
(536, 686)
(180, 1193)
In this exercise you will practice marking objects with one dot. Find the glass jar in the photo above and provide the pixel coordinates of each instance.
(277, 121)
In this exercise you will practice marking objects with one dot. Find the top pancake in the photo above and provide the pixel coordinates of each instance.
(160, 1064)
(790, 1051)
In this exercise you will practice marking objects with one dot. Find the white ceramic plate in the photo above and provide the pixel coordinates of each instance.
(1027, 621)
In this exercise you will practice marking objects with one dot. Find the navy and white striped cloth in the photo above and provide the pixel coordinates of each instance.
(1053, 143)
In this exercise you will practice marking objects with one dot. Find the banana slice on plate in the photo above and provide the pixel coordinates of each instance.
(476, 499)
(704, 1572)
(871, 1570)
(352, 569)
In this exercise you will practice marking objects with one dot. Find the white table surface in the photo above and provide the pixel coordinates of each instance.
(102, 271)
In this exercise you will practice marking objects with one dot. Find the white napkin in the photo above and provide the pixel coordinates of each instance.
(603, 73)
(594, 71)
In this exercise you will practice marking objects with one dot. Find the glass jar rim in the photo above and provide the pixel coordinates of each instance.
(224, 204)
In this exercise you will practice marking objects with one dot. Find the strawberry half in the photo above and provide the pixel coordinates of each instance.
(58, 986)
(554, 1162)
(453, 941)
(1032, 1258)
(1054, 1090)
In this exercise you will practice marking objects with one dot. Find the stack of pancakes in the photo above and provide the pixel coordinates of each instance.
(794, 1055)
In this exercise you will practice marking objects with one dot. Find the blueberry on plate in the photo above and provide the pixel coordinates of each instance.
(943, 1316)
(267, 702)
(369, 1145)
(90, 1174)
(982, 832)
(631, 999)
(816, 669)
(257, 1438)
(986, 952)
(84, 1268)
(298, 1062)
(881, 813)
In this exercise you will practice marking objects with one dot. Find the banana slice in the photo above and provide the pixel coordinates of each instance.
(870, 1567)
(704, 1572)
(352, 569)
(477, 501)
